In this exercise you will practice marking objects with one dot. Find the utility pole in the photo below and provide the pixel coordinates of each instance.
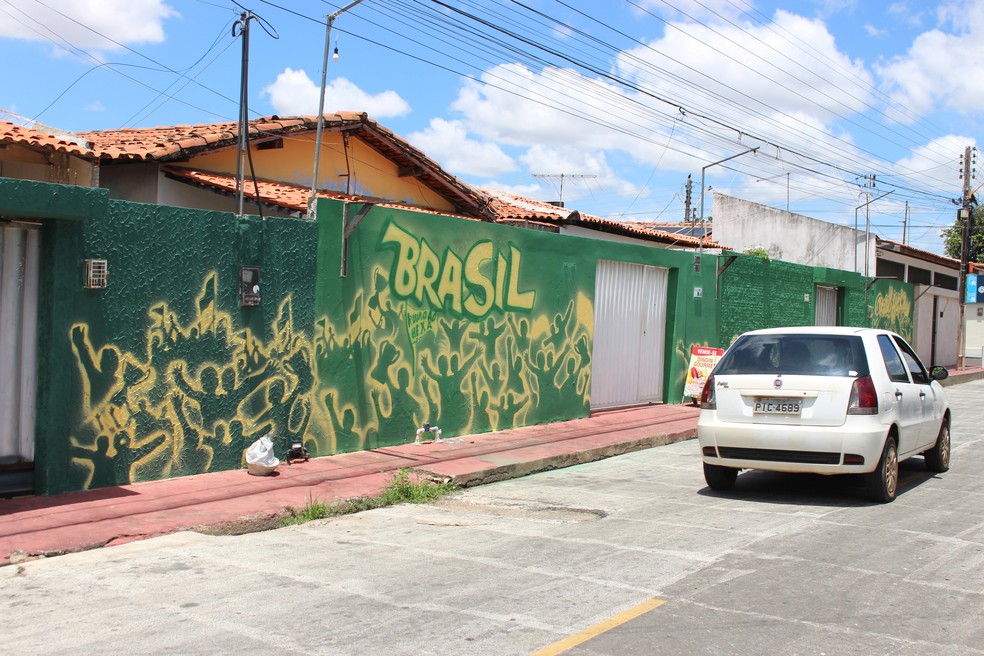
(905, 221)
(241, 153)
(686, 199)
(561, 176)
(966, 217)
(870, 180)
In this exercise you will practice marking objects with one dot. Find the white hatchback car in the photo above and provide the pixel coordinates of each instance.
(824, 400)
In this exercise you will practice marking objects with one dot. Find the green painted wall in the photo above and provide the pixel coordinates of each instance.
(464, 325)
(467, 325)
(163, 373)
(761, 293)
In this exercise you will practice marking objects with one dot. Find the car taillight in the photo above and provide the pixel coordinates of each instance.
(864, 399)
(707, 399)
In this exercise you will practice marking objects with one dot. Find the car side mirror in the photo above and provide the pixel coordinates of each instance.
(938, 373)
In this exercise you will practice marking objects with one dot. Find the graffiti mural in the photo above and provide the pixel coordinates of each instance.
(192, 403)
(453, 340)
(461, 340)
(892, 310)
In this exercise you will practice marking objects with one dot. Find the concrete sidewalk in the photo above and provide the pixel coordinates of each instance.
(44, 526)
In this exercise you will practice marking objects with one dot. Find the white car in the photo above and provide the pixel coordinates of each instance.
(823, 400)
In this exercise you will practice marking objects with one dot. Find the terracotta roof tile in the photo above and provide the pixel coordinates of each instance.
(287, 196)
(508, 207)
(23, 136)
(180, 142)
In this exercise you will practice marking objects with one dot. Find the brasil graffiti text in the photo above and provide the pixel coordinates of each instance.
(484, 279)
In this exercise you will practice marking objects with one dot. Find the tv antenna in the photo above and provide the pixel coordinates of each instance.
(561, 177)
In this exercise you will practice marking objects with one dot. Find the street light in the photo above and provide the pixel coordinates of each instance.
(867, 230)
(787, 184)
(329, 20)
(744, 152)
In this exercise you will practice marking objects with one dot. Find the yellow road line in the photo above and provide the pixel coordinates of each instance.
(599, 628)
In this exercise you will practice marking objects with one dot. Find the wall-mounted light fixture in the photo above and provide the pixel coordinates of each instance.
(96, 274)
(249, 286)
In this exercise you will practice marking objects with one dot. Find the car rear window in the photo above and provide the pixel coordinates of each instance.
(814, 355)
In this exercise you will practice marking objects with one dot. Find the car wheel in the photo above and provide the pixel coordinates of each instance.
(938, 458)
(720, 478)
(883, 483)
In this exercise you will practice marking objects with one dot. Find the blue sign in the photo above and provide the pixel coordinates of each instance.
(971, 288)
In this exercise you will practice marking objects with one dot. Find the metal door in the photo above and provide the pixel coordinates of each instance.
(629, 334)
(20, 246)
(826, 306)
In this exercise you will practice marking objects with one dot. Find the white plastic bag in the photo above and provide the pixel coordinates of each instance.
(260, 459)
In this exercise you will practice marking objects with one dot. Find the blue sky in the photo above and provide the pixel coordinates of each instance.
(625, 98)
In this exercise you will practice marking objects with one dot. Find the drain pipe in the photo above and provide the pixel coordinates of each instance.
(427, 428)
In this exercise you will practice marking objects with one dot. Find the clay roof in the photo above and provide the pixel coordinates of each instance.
(278, 194)
(39, 140)
(509, 208)
(179, 142)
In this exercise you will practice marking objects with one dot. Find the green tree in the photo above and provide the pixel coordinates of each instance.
(951, 238)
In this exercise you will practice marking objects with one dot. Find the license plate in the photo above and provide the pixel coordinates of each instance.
(777, 407)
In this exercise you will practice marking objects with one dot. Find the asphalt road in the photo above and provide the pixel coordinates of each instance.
(631, 555)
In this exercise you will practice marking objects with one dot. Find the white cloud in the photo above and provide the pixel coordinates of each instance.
(924, 169)
(95, 106)
(78, 21)
(755, 69)
(939, 69)
(519, 107)
(524, 191)
(293, 93)
(874, 32)
(448, 143)
(515, 105)
(583, 172)
(905, 12)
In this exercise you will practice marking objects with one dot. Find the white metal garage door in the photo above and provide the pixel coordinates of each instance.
(629, 334)
(826, 306)
(20, 246)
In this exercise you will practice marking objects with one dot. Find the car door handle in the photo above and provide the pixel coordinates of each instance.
(922, 394)
(898, 394)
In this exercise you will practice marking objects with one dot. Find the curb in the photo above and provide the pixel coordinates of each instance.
(479, 475)
(961, 377)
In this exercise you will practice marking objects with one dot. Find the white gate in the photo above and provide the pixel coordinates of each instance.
(629, 334)
(20, 246)
(826, 306)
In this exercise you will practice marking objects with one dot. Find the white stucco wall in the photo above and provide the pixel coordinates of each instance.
(741, 224)
(974, 346)
(947, 320)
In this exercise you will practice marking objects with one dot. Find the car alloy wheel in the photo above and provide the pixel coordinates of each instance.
(882, 484)
(938, 458)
